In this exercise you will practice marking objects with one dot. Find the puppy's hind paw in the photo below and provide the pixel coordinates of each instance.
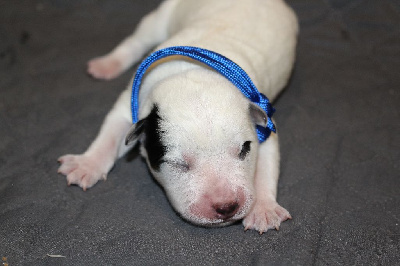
(105, 67)
(81, 170)
(265, 216)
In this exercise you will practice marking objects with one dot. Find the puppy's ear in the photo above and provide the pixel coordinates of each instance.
(258, 115)
(135, 131)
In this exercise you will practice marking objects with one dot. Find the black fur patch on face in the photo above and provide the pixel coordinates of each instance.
(152, 140)
(245, 150)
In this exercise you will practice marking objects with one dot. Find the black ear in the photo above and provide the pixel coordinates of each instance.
(150, 132)
(258, 115)
(135, 131)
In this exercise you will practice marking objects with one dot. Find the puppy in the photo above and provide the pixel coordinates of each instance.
(196, 129)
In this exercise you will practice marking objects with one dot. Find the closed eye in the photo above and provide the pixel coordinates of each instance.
(245, 150)
(182, 166)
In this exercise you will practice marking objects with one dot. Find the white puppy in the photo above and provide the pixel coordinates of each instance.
(196, 129)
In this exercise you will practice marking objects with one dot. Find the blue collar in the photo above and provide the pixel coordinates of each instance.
(223, 65)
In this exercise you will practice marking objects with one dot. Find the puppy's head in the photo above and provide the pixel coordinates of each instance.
(198, 137)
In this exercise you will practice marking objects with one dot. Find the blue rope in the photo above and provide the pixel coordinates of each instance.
(223, 65)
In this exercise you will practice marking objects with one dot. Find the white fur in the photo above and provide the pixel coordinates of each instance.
(207, 118)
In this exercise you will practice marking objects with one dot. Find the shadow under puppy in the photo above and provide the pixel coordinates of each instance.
(196, 129)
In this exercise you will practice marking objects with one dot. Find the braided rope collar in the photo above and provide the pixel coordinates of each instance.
(224, 66)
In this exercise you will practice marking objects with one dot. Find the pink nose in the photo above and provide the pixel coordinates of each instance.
(226, 210)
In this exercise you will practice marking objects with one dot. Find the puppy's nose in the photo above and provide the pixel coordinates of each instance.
(226, 210)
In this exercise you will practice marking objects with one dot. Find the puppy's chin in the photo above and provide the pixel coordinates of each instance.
(213, 222)
(203, 222)
(221, 224)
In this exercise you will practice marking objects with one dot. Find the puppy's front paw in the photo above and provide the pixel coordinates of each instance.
(265, 215)
(105, 67)
(81, 170)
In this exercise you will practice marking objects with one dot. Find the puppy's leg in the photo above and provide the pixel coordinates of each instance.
(152, 30)
(266, 212)
(86, 169)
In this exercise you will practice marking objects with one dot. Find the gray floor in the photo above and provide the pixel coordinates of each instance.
(339, 131)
